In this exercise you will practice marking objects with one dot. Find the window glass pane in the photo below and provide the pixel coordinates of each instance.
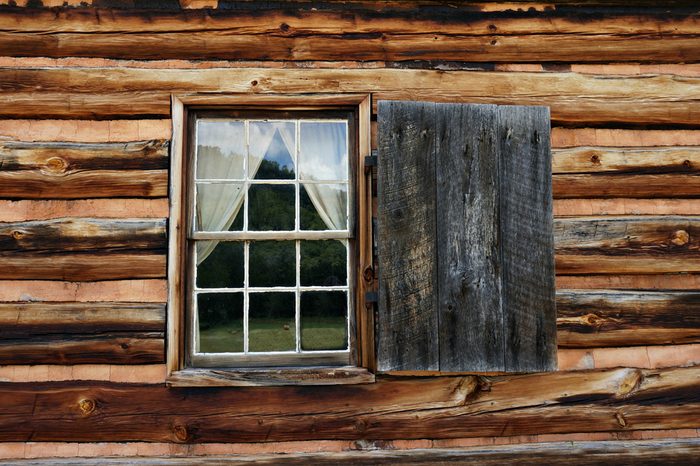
(220, 206)
(219, 264)
(271, 325)
(272, 147)
(324, 263)
(220, 149)
(323, 320)
(271, 207)
(323, 206)
(272, 263)
(220, 317)
(323, 151)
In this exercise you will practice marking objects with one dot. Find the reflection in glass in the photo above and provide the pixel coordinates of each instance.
(323, 151)
(220, 206)
(323, 320)
(223, 266)
(323, 263)
(220, 317)
(271, 207)
(272, 147)
(220, 149)
(271, 322)
(272, 263)
(323, 206)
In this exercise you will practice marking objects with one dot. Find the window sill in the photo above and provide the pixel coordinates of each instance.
(346, 375)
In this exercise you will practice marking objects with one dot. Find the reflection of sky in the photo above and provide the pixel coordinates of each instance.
(323, 151)
(277, 152)
(229, 136)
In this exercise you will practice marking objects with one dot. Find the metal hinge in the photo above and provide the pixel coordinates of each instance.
(371, 160)
(371, 297)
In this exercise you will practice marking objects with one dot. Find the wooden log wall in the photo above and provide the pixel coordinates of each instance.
(84, 145)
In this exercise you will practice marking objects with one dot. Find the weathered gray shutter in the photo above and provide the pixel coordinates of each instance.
(465, 244)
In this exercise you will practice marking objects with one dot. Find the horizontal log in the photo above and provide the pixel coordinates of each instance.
(93, 348)
(69, 170)
(86, 235)
(589, 319)
(623, 245)
(451, 407)
(584, 172)
(363, 33)
(603, 185)
(65, 157)
(657, 281)
(82, 185)
(668, 452)
(29, 320)
(575, 99)
(360, 18)
(82, 267)
(628, 160)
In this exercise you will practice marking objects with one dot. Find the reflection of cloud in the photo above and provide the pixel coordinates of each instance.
(323, 151)
(229, 136)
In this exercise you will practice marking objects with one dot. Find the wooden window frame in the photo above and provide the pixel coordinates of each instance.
(362, 352)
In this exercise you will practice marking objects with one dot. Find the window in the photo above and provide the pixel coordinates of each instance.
(464, 242)
(269, 232)
(270, 239)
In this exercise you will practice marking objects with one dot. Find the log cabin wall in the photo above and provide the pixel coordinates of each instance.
(84, 143)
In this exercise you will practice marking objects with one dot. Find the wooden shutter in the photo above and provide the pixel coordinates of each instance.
(465, 244)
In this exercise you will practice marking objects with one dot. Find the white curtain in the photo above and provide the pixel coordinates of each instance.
(218, 204)
(323, 156)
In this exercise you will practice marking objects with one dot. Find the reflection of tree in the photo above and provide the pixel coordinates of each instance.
(323, 262)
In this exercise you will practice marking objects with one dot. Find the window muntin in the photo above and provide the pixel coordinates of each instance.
(270, 286)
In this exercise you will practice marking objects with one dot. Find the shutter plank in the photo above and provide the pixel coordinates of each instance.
(527, 239)
(469, 276)
(407, 337)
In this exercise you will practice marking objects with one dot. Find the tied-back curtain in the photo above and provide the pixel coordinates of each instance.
(219, 204)
(323, 157)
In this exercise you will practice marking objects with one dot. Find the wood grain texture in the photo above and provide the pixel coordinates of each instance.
(20, 320)
(365, 32)
(616, 400)
(491, 299)
(664, 452)
(582, 172)
(266, 377)
(83, 267)
(24, 210)
(587, 319)
(71, 170)
(407, 324)
(92, 348)
(526, 241)
(470, 312)
(362, 17)
(61, 235)
(646, 245)
(575, 99)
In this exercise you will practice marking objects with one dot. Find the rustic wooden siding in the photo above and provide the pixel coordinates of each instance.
(84, 125)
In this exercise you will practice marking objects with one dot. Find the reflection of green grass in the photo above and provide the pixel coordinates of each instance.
(318, 333)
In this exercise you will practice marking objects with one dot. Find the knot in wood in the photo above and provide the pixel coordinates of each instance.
(621, 419)
(17, 234)
(87, 406)
(680, 238)
(181, 433)
(595, 159)
(368, 274)
(56, 164)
